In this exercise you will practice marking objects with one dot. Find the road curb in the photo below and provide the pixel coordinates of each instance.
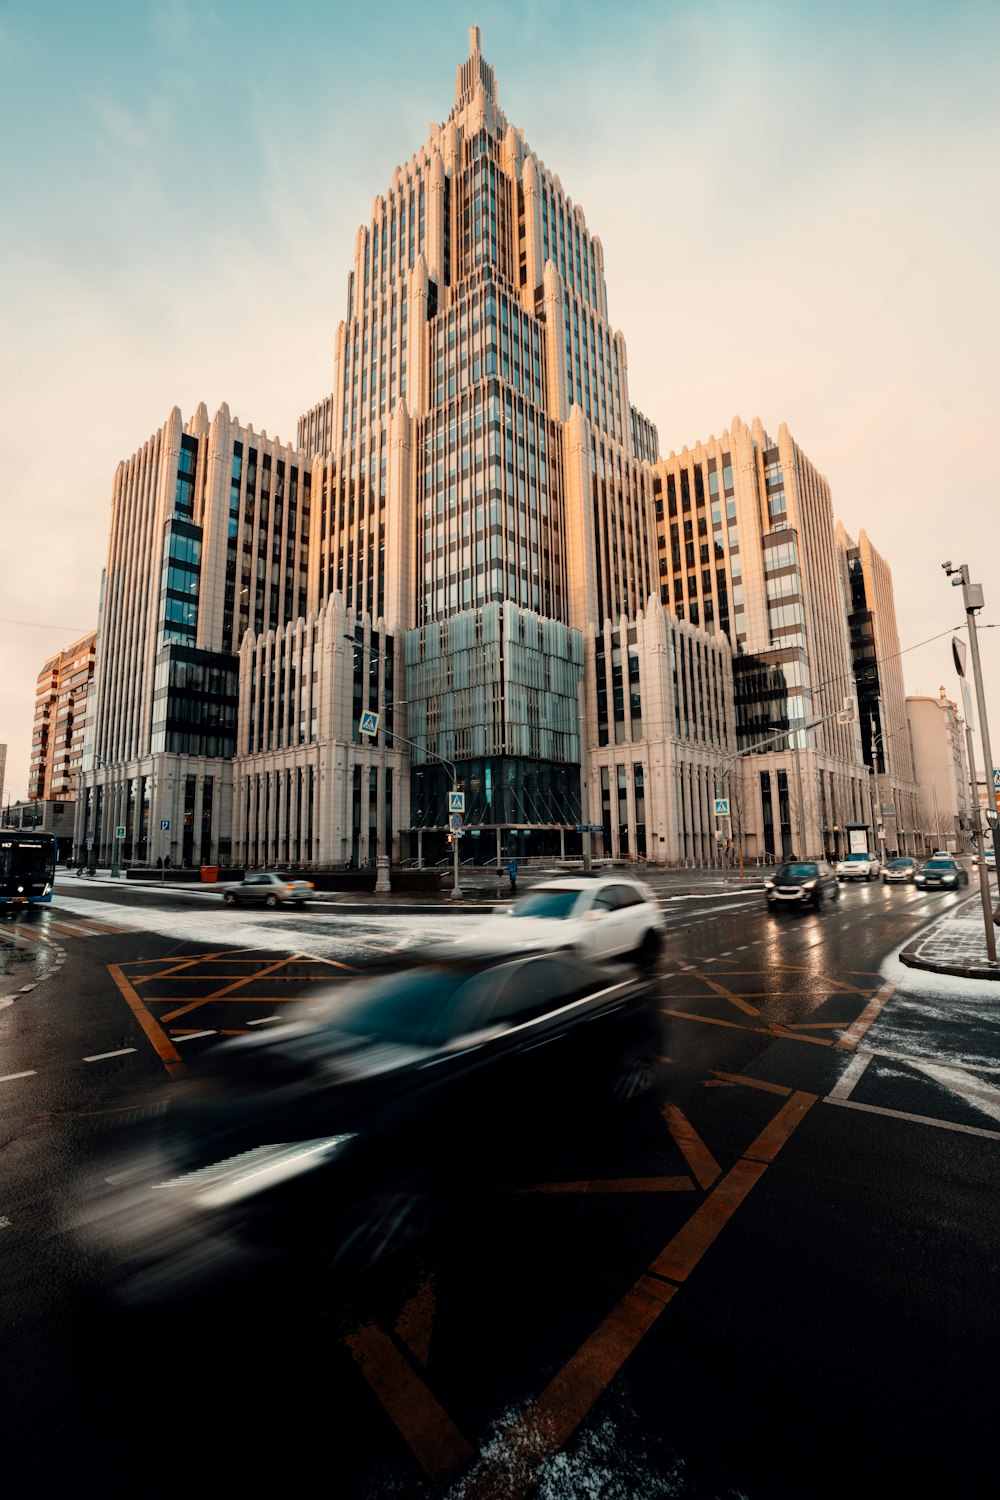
(974, 969)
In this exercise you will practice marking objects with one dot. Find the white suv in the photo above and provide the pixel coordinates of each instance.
(858, 866)
(606, 917)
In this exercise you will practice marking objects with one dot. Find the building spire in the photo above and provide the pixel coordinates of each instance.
(474, 71)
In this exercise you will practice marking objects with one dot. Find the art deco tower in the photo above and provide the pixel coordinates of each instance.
(483, 494)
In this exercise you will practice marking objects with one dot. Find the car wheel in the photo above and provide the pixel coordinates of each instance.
(648, 950)
(379, 1228)
(271, 900)
(229, 899)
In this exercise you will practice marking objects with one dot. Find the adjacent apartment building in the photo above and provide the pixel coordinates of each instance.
(941, 769)
(746, 549)
(881, 696)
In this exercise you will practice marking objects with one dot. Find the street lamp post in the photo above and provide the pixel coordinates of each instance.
(972, 598)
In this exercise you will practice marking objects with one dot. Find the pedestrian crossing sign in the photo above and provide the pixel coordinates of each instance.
(456, 802)
(722, 807)
(369, 722)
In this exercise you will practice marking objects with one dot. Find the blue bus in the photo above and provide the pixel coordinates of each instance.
(27, 866)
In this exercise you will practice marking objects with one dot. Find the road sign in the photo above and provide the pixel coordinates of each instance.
(456, 802)
(369, 722)
(164, 825)
(90, 841)
(996, 779)
(455, 822)
(120, 831)
(958, 654)
(722, 807)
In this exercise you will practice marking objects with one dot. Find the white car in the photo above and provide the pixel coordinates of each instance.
(858, 866)
(605, 917)
(989, 858)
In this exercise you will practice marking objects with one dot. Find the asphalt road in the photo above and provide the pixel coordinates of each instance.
(776, 1278)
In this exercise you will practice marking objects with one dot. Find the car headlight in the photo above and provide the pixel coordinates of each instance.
(238, 1177)
(768, 885)
(808, 885)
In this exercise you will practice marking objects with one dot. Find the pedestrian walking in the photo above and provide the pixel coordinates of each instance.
(512, 872)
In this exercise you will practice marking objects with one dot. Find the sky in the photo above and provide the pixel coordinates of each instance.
(799, 206)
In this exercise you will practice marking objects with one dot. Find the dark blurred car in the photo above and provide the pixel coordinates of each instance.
(899, 870)
(329, 1139)
(941, 875)
(802, 882)
(270, 888)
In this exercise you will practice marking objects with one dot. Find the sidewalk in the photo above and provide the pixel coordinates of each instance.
(955, 945)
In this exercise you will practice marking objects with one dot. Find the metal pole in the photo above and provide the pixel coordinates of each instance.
(937, 815)
(971, 593)
(798, 791)
(984, 879)
(456, 889)
(115, 845)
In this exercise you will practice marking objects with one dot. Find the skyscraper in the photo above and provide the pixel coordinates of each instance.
(484, 511)
(474, 573)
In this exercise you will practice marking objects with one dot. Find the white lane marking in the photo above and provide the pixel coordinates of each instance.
(28, 1073)
(845, 1085)
(191, 1036)
(900, 1114)
(908, 1057)
(263, 1020)
(100, 1056)
(982, 1096)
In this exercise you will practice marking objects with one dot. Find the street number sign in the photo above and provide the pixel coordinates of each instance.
(164, 825)
(369, 722)
(120, 831)
(722, 807)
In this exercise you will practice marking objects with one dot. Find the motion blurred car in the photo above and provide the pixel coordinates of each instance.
(803, 882)
(858, 866)
(901, 870)
(989, 859)
(601, 918)
(269, 888)
(324, 1142)
(941, 875)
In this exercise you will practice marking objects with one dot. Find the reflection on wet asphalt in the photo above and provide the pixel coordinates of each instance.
(25, 958)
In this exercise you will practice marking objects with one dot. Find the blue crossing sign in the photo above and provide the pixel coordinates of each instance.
(722, 807)
(456, 802)
(369, 722)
